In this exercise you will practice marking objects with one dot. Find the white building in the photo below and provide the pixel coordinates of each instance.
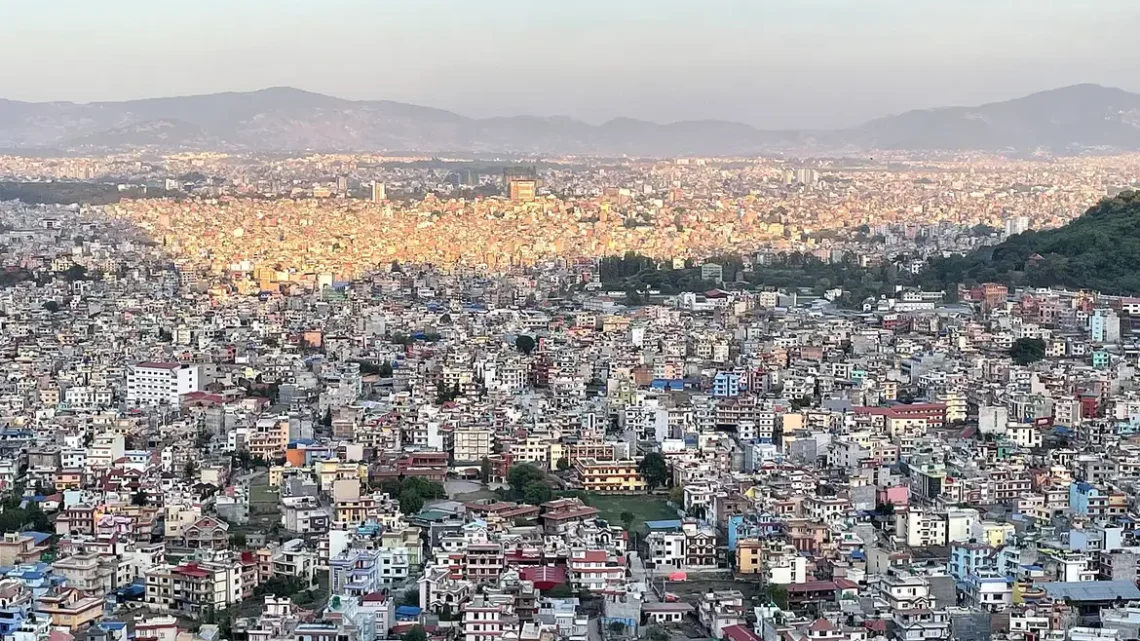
(158, 383)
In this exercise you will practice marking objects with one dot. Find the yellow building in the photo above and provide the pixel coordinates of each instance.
(609, 476)
(276, 475)
(749, 556)
(993, 534)
(354, 511)
(332, 470)
(70, 609)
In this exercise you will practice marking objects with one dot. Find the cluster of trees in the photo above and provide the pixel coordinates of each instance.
(382, 369)
(1099, 250)
(15, 518)
(246, 461)
(636, 275)
(281, 586)
(1027, 350)
(271, 391)
(412, 492)
(10, 277)
(408, 339)
(14, 276)
(528, 484)
(445, 394)
(66, 193)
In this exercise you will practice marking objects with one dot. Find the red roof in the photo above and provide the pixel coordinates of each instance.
(544, 577)
(191, 569)
(592, 556)
(821, 625)
(739, 633)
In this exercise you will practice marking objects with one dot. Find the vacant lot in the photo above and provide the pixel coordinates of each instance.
(643, 507)
(262, 498)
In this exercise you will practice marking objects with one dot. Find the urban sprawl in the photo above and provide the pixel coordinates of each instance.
(358, 398)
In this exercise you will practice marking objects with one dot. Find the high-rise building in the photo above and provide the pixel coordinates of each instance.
(378, 192)
(342, 184)
(807, 176)
(523, 191)
(157, 383)
(1016, 225)
(521, 183)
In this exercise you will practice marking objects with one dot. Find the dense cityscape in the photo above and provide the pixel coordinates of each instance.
(353, 398)
(581, 321)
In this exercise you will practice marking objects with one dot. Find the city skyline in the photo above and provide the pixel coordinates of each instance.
(825, 64)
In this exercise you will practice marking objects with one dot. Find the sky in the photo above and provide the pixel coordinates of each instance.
(772, 64)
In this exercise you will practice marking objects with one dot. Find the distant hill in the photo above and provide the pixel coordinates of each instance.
(285, 119)
(1076, 117)
(1100, 250)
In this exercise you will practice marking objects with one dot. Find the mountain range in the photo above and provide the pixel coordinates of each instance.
(1070, 119)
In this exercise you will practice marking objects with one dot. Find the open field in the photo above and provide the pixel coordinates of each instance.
(643, 507)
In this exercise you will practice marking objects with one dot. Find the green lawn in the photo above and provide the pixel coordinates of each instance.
(644, 508)
(262, 498)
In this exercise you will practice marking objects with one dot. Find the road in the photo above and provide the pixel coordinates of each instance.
(639, 572)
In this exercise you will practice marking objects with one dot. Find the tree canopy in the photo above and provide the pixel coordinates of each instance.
(525, 344)
(654, 470)
(523, 474)
(1027, 350)
(1099, 250)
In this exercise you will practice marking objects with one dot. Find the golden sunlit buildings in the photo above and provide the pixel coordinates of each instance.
(522, 191)
(521, 183)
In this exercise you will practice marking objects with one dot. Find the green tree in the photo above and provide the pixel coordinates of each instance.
(627, 519)
(1027, 350)
(523, 474)
(280, 586)
(75, 272)
(536, 493)
(424, 487)
(485, 470)
(51, 306)
(560, 591)
(410, 596)
(654, 470)
(15, 518)
(411, 502)
(417, 633)
(525, 344)
(563, 464)
(238, 540)
(616, 628)
(778, 594)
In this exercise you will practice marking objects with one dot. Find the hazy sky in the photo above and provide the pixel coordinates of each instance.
(785, 63)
